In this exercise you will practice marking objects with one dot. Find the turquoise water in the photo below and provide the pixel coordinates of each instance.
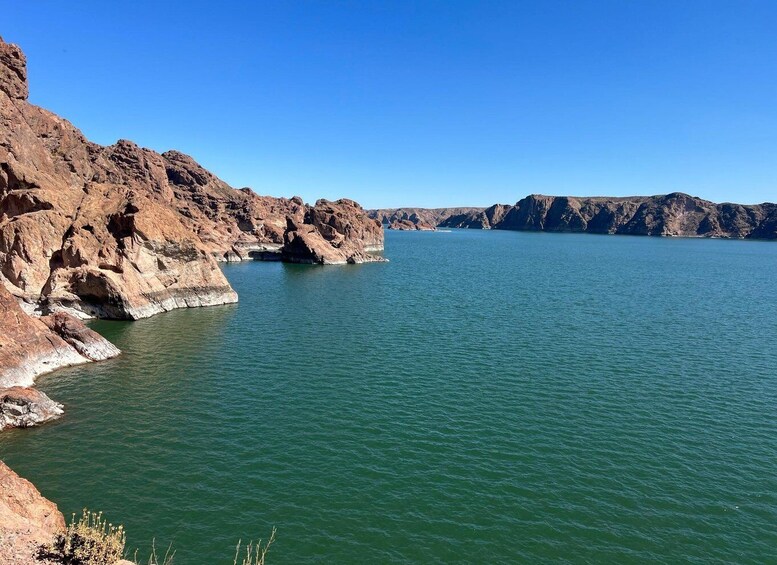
(485, 397)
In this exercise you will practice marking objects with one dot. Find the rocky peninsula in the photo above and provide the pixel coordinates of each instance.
(418, 218)
(676, 214)
(124, 232)
(119, 232)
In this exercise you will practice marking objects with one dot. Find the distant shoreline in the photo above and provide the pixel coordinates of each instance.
(672, 215)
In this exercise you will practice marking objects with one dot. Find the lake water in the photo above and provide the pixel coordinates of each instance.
(485, 397)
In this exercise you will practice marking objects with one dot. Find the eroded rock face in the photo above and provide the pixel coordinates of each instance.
(125, 232)
(30, 346)
(675, 214)
(425, 218)
(27, 519)
(91, 228)
(87, 343)
(332, 233)
(410, 225)
(13, 72)
(23, 407)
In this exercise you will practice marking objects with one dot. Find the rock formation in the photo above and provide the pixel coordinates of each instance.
(125, 232)
(22, 407)
(332, 233)
(675, 214)
(410, 225)
(424, 218)
(27, 519)
(30, 346)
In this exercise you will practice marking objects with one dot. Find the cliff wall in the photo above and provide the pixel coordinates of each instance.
(675, 214)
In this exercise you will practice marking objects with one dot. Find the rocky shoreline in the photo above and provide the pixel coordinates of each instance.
(123, 232)
(671, 215)
(31, 346)
(27, 519)
(118, 232)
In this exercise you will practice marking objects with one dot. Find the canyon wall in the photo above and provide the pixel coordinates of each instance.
(675, 214)
(126, 232)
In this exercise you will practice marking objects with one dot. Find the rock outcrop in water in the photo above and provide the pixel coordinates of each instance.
(125, 232)
(23, 407)
(410, 225)
(675, 214)
(30, 346)
(332, 233)
(418, 218)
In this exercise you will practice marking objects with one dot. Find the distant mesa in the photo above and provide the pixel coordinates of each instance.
(676, 214)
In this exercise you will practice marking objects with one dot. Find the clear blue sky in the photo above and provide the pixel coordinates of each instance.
(424, 103)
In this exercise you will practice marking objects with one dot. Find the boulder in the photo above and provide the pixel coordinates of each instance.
(23, 407)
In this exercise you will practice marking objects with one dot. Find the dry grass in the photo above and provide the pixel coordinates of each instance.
(153, 559)
(90, 540)
(254, 554)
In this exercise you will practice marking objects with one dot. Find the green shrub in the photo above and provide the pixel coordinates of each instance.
(90, 540)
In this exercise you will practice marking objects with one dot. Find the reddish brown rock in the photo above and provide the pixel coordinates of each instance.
(409, 225)
(29, 347)
(86, 342)
(125, 232)
(13, 72)
(333, 233)
(674, 214)
(27, 520)
(400, 218)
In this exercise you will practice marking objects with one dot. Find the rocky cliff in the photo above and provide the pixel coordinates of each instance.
(410, 225)
(675, 214)
(27, 520)
(125, 232)
(419, 218)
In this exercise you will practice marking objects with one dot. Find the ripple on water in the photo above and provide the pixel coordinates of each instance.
(484, 397)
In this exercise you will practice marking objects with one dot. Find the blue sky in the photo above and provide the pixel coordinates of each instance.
(424, 103)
